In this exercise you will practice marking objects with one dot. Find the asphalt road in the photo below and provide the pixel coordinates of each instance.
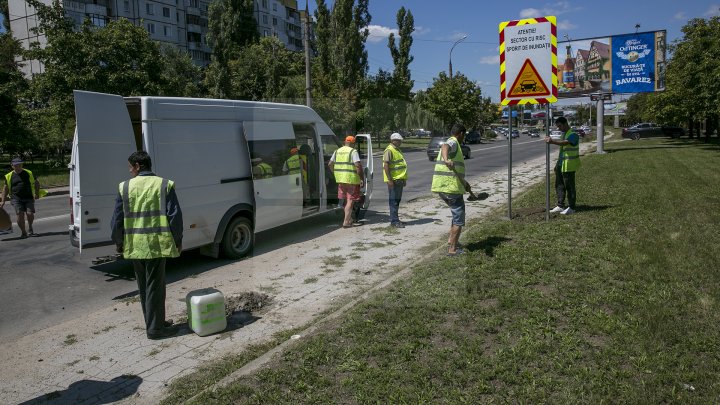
(45, 281)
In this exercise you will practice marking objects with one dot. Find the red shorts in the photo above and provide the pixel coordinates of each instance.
(349, 192)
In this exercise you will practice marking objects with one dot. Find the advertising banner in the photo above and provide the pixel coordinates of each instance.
(628, 63)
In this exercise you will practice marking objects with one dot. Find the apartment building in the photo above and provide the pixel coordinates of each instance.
(181, 23)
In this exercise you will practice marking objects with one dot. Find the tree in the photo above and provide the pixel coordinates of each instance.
(14, 136)
(454, 100)
(180, 76)
(261, 71)
(401, 55)
(340, 41)
(231, 27)
(119, 59)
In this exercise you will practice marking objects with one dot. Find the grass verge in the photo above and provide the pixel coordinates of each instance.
(615, 304)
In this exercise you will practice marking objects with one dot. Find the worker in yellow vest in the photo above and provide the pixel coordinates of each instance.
(568, 163)
(23, 189)
(297, 164)
(349, 176)
(395, 175)
(147, 228)
(450, 184)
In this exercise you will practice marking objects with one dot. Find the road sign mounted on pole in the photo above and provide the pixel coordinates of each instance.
(528, 61)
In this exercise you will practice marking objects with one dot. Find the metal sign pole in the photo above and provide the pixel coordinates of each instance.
(600, 124)
(547, 163)
(510, 161)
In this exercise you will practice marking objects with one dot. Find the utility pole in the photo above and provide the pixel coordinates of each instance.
(306, 42)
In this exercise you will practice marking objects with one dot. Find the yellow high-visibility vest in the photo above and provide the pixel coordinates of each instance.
(444, 180)
(397, 164)
(146, 226)
(344, 168)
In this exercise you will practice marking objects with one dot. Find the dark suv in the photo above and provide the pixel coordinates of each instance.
(436, 143)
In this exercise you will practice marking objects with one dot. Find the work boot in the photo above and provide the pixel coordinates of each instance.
(163, 333)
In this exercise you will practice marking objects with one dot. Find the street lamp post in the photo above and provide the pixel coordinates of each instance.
(451, 49)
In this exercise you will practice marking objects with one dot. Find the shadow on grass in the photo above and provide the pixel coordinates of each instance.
(488, 245)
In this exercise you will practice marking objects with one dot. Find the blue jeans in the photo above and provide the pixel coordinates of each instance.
(394, 197)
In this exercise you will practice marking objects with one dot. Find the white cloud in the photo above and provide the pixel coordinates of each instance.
(680, 15)
(566, 25)
(490, 60)
(557, 8)
(457, 35)
(712, 11)
(420, 30)
(379, 33)
(530, 13)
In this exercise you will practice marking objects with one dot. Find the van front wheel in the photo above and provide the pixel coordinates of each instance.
(238, 239)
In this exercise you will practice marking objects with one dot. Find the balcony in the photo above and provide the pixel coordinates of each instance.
(193, 11)
(194, 28)
(96, 9)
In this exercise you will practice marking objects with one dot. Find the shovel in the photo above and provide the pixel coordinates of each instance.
(473, 196)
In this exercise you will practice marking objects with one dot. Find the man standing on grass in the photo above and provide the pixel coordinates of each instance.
(567, 164)
(23, 189)
(449, 182)
(395, 175)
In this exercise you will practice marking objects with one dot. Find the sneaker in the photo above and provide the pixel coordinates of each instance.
(557, 209)
(567, 211)
(398, 225)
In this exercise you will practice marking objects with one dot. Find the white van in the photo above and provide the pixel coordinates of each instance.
(208, 148)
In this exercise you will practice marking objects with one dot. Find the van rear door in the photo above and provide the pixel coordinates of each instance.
(104, 140)
(368, 166)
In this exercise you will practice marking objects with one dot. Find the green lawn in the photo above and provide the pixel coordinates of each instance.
(616, 304)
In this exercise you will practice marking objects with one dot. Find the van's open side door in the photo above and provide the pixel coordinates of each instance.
(104, 141)
(368, 166)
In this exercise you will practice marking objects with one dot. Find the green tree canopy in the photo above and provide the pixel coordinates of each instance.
(454, 100)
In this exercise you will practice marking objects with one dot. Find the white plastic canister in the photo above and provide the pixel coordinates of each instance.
(206, 311)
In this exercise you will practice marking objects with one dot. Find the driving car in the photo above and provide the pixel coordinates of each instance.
(534, 133)
(556, 134)
(643, 129)
(473, 137)
(436, 143)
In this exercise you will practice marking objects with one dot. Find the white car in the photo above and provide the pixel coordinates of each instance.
(556, 134)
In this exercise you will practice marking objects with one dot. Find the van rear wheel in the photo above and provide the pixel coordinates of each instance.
(238, 239)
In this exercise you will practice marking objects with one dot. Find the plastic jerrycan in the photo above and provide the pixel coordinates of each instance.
(206, 311)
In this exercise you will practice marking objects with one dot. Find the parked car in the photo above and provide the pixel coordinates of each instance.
(673, 131)
(473, 137)
(642, 130)
(436, 143)
(579, 131)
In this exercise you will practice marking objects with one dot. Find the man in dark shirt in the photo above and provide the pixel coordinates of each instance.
(23, 189)
(147, 228)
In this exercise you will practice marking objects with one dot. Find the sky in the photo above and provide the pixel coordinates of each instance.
(439, 24)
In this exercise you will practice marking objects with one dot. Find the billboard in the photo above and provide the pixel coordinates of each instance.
(628, 63)
(618, 108)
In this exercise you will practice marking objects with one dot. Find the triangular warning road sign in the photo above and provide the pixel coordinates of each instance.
(528, 83)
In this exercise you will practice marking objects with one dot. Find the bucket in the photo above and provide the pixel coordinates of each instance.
(206, 311)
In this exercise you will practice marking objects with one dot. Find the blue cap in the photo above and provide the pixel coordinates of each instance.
(16, 161)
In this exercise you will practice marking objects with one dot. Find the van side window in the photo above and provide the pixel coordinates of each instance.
(330, 145)
(268, 157)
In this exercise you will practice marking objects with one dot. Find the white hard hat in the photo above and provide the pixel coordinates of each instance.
(396, 137)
